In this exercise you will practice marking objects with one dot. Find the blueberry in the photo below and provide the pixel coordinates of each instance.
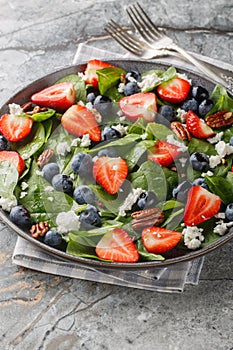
(166, 112)
(82, 164)
(108, 152)
(181, 191)
(20, 216)
(199, 93)
(89, 217)
(147, 199)
(63, 183)
(133, 75)
(231, 141)
(191, 104)
(4, 144)
(205, 106)
(200, 182)
(91, 97)
(53, 239)
(229, 212)
(84, 194)
(103, 105)
(110, 133)
(199, 161)
(131, 88)
(50, 170)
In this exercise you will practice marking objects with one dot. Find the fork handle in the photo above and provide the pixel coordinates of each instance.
(201, 67)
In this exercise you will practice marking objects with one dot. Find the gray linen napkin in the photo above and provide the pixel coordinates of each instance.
(166, 279)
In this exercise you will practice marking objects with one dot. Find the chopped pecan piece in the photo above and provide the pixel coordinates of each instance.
(26, 107)
(180, 131)
(219, 119)
(37, 109)
(44, 158)
(146, 218)
(39, 230)
(123, 78)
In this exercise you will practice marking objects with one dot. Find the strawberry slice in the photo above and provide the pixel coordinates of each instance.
(59, 96)
(201, 206)
(79, 120)
(90, 75)
(110, 173)
(117, 245)
(175, 90)
(14, 127)
(13, 157)
(159, 240)
(197, 127)
(164, 153)
(140, 105)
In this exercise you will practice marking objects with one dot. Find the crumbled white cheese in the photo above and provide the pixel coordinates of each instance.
(121, 115)
(214, 161)
(115, 167)
(24, 185)
(222, 227)
(75, 142)
(223, 149)
(97, 115)
(209, 173)
(39, 172)
(15, 109)
(220, 215)
(130, 200)
(144, 136)
(193, 237)
(184, 76)
(63, 148)
(123, 130)
(85, 142)
(51, 199)
(121, 88)
(181, 114)
(148, 81)
(173, 141)
(67, 221)
(89, 105)
(215, 138)
(8, 203)
(23, 194)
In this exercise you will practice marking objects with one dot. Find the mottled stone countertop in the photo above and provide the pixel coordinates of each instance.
(39, 311)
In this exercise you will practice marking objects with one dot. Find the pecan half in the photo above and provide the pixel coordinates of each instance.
(180, 131)
(146, 218)
(44, 157)
(219, 119)
(26, 107)
(39, 230)
(36, 109)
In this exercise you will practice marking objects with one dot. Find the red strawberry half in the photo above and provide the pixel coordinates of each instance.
(140, 105)
(164, 153)
(201, 206)
(197, 127)
(159, 240)
(59, 96)
(15, 128)
(79, 120)
(110, 173)
(175, 90)
(90, 75)
(13, 157)
(117, 246)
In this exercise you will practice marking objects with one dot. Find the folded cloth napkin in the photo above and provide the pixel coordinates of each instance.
(162, 279)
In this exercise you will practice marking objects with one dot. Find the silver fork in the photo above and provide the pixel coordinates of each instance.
(158, 41)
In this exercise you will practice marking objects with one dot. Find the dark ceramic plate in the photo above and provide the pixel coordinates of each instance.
(24, 95)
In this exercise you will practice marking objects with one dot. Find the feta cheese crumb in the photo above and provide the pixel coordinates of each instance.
(223, 149)
(15, 109)
(51, 199)
(193, 237)
(123, 130)
(8, 203)
(220, 215)
(23, 194)
(181, 114)
(184, 76)
(130, 200)
(216, 138)
(144, 136)
(85, 142)
(214, 161)
(148, 81)
(222, 227)
(173, 141)
(97, 115)
(63, 148)
(75, 142)
(24, 185)
(209, 173)
(121, 88)
(67, 221)
(39, 172)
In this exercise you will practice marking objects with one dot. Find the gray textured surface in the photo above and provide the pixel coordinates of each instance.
(39, 311)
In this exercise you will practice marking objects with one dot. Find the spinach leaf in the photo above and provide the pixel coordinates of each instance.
(197, 145)
(42, 116)
(138, 127)
(159, 131)
(82, 250)
(221, 100)
(79, 86)
(145, 255)
(33, 142)
(127, 141)
(135, 155)
(162, 77)
(8, 179)
(108, 77)
(222, 187)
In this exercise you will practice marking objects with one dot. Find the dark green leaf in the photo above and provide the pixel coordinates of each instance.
(108, 78)
(221, 186)
(197, 145)
(8, 179)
